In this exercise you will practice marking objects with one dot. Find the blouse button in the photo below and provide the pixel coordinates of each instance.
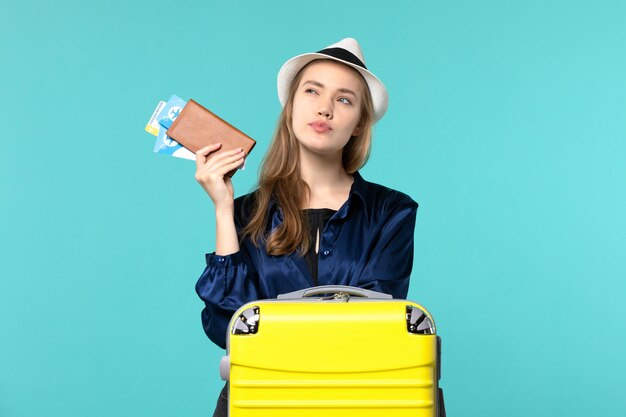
(326, 252)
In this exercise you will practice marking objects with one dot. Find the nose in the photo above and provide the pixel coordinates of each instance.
(325, 110)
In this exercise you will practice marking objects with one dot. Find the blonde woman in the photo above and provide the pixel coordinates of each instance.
(312, 220)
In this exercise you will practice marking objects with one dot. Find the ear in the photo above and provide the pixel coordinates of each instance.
(357, 130)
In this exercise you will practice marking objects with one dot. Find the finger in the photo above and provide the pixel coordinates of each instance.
(201, 154)
(210, 148)
(224, 157)
(213, 170)
(229, 167)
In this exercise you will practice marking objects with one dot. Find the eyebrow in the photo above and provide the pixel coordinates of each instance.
(341, 90)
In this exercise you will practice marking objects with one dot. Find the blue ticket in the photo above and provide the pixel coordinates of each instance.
(168, 146)
(170, 111)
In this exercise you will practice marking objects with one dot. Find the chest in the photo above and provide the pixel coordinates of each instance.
(344, 248)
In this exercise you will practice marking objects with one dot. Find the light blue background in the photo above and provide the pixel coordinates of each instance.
(506, 123)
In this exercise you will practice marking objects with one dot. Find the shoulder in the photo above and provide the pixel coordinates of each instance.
(246, 200)
(244, 206)
(380, 198)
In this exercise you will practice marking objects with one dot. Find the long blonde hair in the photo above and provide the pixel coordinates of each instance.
(280, 178)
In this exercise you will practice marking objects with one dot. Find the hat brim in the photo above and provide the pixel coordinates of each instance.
(288, 71)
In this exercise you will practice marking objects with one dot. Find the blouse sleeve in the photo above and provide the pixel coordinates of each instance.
(226, 284)
(389, 267)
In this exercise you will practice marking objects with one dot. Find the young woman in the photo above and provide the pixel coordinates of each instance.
(313, 220)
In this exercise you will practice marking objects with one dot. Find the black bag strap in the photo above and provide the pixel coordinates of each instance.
(441, 407)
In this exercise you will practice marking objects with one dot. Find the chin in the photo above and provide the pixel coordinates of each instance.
(318, 144)
(320, 150)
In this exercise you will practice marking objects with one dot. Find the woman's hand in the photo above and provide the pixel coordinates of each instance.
(211, 173)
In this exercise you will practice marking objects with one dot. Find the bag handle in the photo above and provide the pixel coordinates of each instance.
(326, 289)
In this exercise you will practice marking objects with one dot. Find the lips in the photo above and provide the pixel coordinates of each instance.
(320, 127)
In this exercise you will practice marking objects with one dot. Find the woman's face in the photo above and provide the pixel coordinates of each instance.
(327, 107)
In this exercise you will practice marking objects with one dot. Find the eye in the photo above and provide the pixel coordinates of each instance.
(346, 100)
(310, 89)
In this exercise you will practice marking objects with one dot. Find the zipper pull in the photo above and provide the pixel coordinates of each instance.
(340, 296)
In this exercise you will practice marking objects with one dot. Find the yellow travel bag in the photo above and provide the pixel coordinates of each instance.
(333, 351)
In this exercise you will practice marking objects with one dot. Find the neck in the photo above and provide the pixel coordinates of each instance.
(328, 182)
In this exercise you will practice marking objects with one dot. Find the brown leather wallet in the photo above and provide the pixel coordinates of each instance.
(196, 127)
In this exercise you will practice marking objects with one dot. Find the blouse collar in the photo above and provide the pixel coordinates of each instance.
(358, 193)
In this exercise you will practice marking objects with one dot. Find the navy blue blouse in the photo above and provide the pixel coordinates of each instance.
(367, 243)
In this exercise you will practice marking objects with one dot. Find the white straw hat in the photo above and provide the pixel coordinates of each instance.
(346, 51)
